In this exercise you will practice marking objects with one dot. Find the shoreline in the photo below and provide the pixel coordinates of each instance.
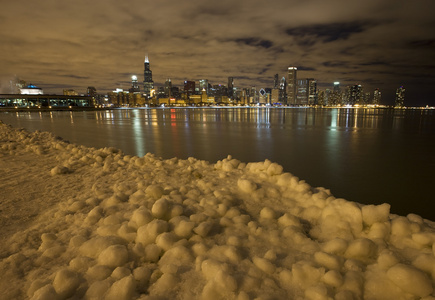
(46, 109)
(124, 227)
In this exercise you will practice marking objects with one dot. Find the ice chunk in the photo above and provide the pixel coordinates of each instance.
(203, 228)
(59, 170)
(410, 280)
(154, 191)
(274, 169)
(164, 284)
(94, 246)
(246, 185)
(81, 263)
(305, 275)
(122, 289)
(140, 217)
(66, 282)
(113, 256)
(375, 213)
(148, 233)
(267, 213)
(142, 276)
(47, 292)
(333, 278)
(264, 264)
(161, 209)
(387, 259)
(177, 256)
(184, 229)
(401, 226)
(335, 246)
(361, 249)
(98, 272)
(317, 292)
(120, 272)
(166, 240)
(211, 267)
(379, 230)
(328, 261)
(152, 252)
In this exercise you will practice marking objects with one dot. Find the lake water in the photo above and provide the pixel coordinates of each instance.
(369, 156)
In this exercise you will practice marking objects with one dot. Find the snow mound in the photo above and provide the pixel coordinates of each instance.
(126, 227)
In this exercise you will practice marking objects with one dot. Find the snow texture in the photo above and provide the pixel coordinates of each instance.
(85, 223)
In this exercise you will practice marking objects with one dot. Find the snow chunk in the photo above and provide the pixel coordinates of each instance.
(148, 233)
(154, 191)
(203, 229)
(113, 256)
(410, 280)
(274, 169)
(98, 272)
(401, 226)
(59, 170)
(140, 217)
(47, 292)
(94, 246)
(375, 213)
(122, 289)
(361, 249)
(264, 264)
(328, 261)
(161, 209)
(65, 283)
(267, 213)
(184, 229)
(305, 275)
(211, 267)
(246, 185)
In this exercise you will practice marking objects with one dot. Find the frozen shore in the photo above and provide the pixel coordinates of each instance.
(80, 222)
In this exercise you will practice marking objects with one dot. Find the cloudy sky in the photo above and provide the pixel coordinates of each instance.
(76, 43)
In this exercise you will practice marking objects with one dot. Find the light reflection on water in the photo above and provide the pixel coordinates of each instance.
(364, 155)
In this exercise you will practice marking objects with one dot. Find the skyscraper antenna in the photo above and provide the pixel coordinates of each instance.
(146, 58)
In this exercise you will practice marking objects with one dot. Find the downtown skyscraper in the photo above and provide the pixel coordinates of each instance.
(148, 83)
(291, 86)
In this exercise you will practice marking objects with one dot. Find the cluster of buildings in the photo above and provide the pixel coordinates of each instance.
(289, 91)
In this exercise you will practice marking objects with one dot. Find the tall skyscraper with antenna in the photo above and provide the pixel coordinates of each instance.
(148, 83)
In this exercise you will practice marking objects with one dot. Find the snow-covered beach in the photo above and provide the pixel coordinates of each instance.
(80, 222)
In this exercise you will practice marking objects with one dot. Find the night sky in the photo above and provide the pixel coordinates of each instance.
(67, 44)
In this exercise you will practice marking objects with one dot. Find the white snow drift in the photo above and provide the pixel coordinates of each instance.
(112, 226)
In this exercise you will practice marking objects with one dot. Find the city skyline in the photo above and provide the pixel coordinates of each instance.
(378, 44)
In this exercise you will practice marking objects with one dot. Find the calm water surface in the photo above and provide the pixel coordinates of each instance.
(370, 156)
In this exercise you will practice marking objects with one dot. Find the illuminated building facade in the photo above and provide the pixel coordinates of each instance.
(275, 96)
(31, 90)
(230, 87)
(355, 95)
(292, 85)
(377, 97)
(203, 85)
(148, 83)
(275, 81)
(134, 85)
(70, 92)
(335, 96)
(302, 92)
(189, 87)
(91, 91)
(282, 97)
(168, 88)
(400, 97)
(312, 91)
